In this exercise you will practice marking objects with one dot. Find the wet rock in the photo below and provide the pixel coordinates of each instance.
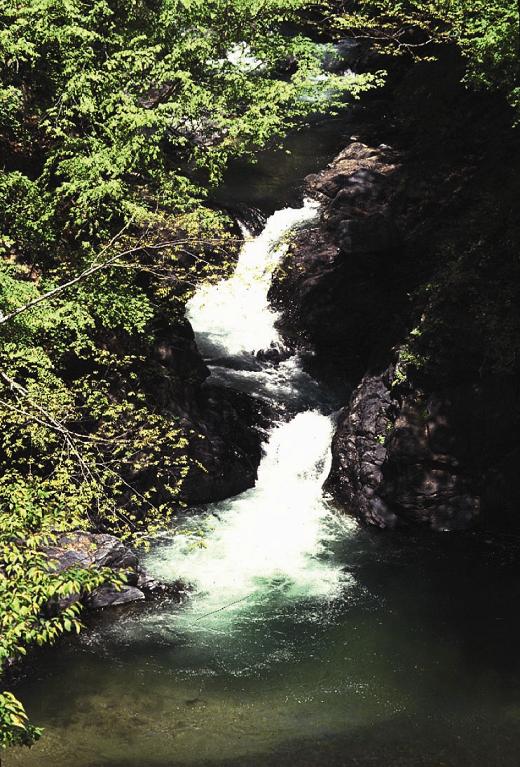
(83, 549)
(242, 361)
(80, 549)
(224, 429)
(397, 460)
(229, 429)
(358, 452)
(340, 287)
(108, 596)
(274, 355)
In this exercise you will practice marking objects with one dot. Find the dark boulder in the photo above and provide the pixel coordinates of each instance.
(399, 459)
(359, 452)
(228, 429)
(109, 596)
(224, 429)
(95, 551)
(340, 289)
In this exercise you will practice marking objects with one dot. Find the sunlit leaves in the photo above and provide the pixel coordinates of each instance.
(15, 728)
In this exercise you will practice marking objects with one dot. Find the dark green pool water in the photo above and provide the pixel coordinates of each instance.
(414, 661)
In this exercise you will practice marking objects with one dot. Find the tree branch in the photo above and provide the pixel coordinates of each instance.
(97, 268)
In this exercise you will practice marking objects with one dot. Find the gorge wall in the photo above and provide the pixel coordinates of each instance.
(409, 289)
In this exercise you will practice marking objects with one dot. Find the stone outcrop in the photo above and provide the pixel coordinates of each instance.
(396, 459)
(340, 287)
(224, 429)
(81, 549)
(397, 454)
(359, 452)
(226, 446)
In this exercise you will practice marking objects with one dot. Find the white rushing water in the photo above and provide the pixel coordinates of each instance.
(234, 316)
(270, 540)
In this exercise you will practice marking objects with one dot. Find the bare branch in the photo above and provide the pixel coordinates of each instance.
(97, 267)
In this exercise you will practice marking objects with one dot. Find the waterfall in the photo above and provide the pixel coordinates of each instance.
(270, 539)
(233, 316)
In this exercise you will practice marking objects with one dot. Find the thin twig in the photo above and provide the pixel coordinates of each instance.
(96, 268)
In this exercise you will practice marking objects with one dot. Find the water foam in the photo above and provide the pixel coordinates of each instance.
(234, 315)
(270, 538)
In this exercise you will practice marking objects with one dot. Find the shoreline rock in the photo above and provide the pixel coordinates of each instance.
(395, 460)
(82, 549)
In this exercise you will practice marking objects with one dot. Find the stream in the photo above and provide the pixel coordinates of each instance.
(305, 639)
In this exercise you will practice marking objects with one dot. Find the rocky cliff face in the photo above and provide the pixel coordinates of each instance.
(341, 287)
(409, 287)
(397, 459)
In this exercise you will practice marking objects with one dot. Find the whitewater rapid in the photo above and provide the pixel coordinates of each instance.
(272, 539)
(234, 317)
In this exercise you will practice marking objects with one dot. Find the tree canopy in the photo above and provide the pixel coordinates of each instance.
(486, 33)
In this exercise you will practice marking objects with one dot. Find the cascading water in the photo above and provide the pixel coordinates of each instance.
(270, 539)
(233, 317)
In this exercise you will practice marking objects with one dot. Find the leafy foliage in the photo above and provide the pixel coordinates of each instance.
(487, 33)
(31, 512)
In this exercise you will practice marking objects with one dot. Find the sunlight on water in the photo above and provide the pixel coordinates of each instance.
(234, 315)
(269, 539)
(285, 383)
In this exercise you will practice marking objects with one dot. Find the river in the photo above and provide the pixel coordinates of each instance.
(304, 639)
